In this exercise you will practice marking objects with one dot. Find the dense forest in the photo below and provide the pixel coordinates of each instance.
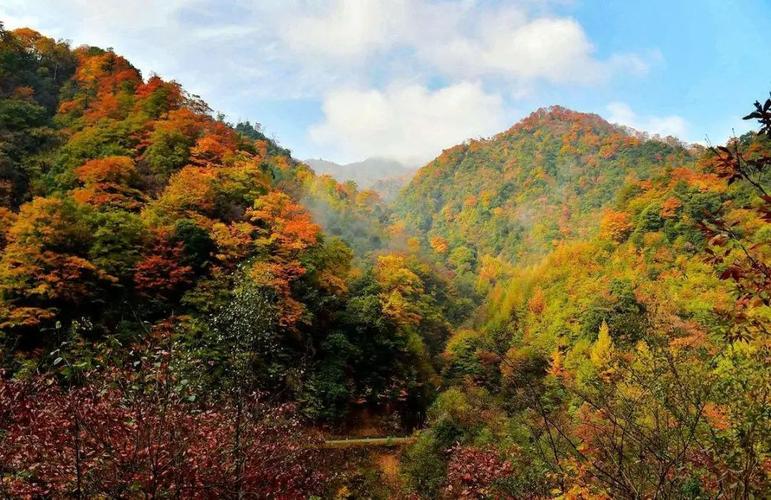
(568, 309)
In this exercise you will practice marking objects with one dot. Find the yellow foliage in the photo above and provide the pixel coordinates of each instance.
(557, 365)
(400, 288)
(602, 349)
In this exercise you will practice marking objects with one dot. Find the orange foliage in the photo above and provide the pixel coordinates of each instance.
(439, 244)
(536, 303)
(669, 207)
(213, 147)
(282, 224)
(208, 149)
(108, 182)
(278, 275)
(105, 76)
(700, 180)
(716, 416)
(172, 91)
(283, 230)
(615, 225)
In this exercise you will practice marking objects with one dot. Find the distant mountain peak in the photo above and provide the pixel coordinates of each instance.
(366, 173)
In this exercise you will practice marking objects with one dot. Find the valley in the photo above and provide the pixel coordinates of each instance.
(569, 308)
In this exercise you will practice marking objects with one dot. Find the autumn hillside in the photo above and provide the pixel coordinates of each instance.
(542, 181)
(157, 258)
(620, 345)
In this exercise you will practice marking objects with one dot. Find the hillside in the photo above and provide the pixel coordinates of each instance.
(167, 283)
(624, 312)
(542, 181)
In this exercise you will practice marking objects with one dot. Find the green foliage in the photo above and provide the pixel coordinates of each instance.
(425, 465)
(197, 243)
(117, 240)
(169, 150)
(127, 207)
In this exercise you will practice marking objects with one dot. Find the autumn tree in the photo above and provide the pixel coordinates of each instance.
(111, 182)
(44, 268)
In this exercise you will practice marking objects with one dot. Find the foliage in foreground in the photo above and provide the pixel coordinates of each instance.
(138, 431)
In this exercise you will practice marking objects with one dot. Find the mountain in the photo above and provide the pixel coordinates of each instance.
(390, 187)
(542, 181)
(364, 173)
(623, 289)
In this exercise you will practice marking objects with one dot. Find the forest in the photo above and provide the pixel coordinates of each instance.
(567, 309)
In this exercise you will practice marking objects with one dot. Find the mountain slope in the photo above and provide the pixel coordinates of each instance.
(130, 213)
(620, 347)
(174, 304)
(538, 182)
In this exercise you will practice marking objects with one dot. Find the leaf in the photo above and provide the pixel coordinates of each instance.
(57, 361)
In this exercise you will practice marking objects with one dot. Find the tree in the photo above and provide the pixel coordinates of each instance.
(601, 353)
(284, 231)
(134, 431)
(400, 287)
(44, 269)
(161, 275)
(111, 182)
(615, 225)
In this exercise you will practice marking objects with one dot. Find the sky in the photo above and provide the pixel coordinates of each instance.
(349, 79)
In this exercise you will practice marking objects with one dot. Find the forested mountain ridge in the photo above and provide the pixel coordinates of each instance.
(541, 181)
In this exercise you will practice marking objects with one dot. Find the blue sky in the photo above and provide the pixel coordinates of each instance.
(348, 79)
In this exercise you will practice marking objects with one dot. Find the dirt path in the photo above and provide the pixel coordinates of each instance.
(389, 442)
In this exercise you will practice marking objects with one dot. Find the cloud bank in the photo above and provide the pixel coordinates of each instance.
(407, 122)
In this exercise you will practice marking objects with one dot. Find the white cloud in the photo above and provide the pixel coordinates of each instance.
(407, 122)
(460, 39)
(350, 28)
(673, 125)
(317, 45)
(553, 49)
